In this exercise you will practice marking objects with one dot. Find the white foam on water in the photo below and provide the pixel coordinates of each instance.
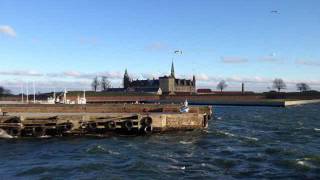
(238, 136)
(190, 154)
(113, 152)
(251, 138)
(177, 167)
(96, 149)
(316, 129)
(173, 160)
(305, 162)
(301, 163)
(185, 142)
(5, 135)
(207, 131)
(228, 134)
(45, 136)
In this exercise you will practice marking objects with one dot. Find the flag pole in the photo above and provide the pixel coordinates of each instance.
(27, 92)
(22, 93)
(34, 93)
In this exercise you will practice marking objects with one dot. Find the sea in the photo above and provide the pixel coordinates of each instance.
(240, 143)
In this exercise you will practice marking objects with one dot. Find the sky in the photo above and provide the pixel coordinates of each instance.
(64, 44)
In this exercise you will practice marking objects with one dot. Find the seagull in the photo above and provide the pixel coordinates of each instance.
(178, 52)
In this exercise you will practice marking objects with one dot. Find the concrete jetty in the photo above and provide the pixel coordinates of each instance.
(99, 120)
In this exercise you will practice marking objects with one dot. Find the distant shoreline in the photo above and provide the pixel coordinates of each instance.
(237, 99)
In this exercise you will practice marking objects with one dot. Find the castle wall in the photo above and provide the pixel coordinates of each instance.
(185, 88)
(167, 85)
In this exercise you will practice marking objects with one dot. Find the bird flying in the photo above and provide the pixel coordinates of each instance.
(178, 52)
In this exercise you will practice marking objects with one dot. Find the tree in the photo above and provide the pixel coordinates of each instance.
(4, 91)
(279, 84)
(303, 87)
(222, 85)
(95, 84)
(126, 80)
(105, 83)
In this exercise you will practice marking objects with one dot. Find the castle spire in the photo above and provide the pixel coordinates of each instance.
(194, 80)
(126, 79)
(172, 70)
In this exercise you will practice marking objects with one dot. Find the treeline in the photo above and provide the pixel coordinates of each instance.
(4, 91)
(278, 84)
(102, 83)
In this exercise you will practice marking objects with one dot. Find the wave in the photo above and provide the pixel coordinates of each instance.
(251, 138)
(185, 142)
(5, 135)
(226, 133)
(177, 167)
(305, 162)
(96, 149)
(45, 136)
(237, 136)
(113, 152)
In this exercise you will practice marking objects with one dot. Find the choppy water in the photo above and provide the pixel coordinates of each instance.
(241, 142)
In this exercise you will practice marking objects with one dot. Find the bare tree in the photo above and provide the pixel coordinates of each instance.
(4, 91)
(279, 84)
(303, 87)
(222, 85)
(95, 84)
(105, 83)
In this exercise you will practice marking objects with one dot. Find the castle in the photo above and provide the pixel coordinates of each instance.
(164, 85)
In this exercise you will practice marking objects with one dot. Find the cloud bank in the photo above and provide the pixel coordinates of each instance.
(21, 73)
(233, 60)
(308, 63)
(76, 80)
(7, 30)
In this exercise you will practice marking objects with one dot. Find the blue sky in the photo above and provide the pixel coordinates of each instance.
(64, 43)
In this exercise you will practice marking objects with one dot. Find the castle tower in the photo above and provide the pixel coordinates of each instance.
(172, 70)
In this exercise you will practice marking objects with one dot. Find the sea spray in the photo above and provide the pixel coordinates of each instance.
(4, 134)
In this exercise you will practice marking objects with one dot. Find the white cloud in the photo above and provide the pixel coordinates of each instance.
(148, 75)
(111, 74)
(75, 80)
(81, 75)
(308, 63)
(7, 30)
(21, 73)
(233, 60)
(202, 77)
(156, 46)
(46, 86)
(270, 58)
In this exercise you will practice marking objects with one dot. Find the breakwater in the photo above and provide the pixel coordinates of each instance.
(99, 120)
